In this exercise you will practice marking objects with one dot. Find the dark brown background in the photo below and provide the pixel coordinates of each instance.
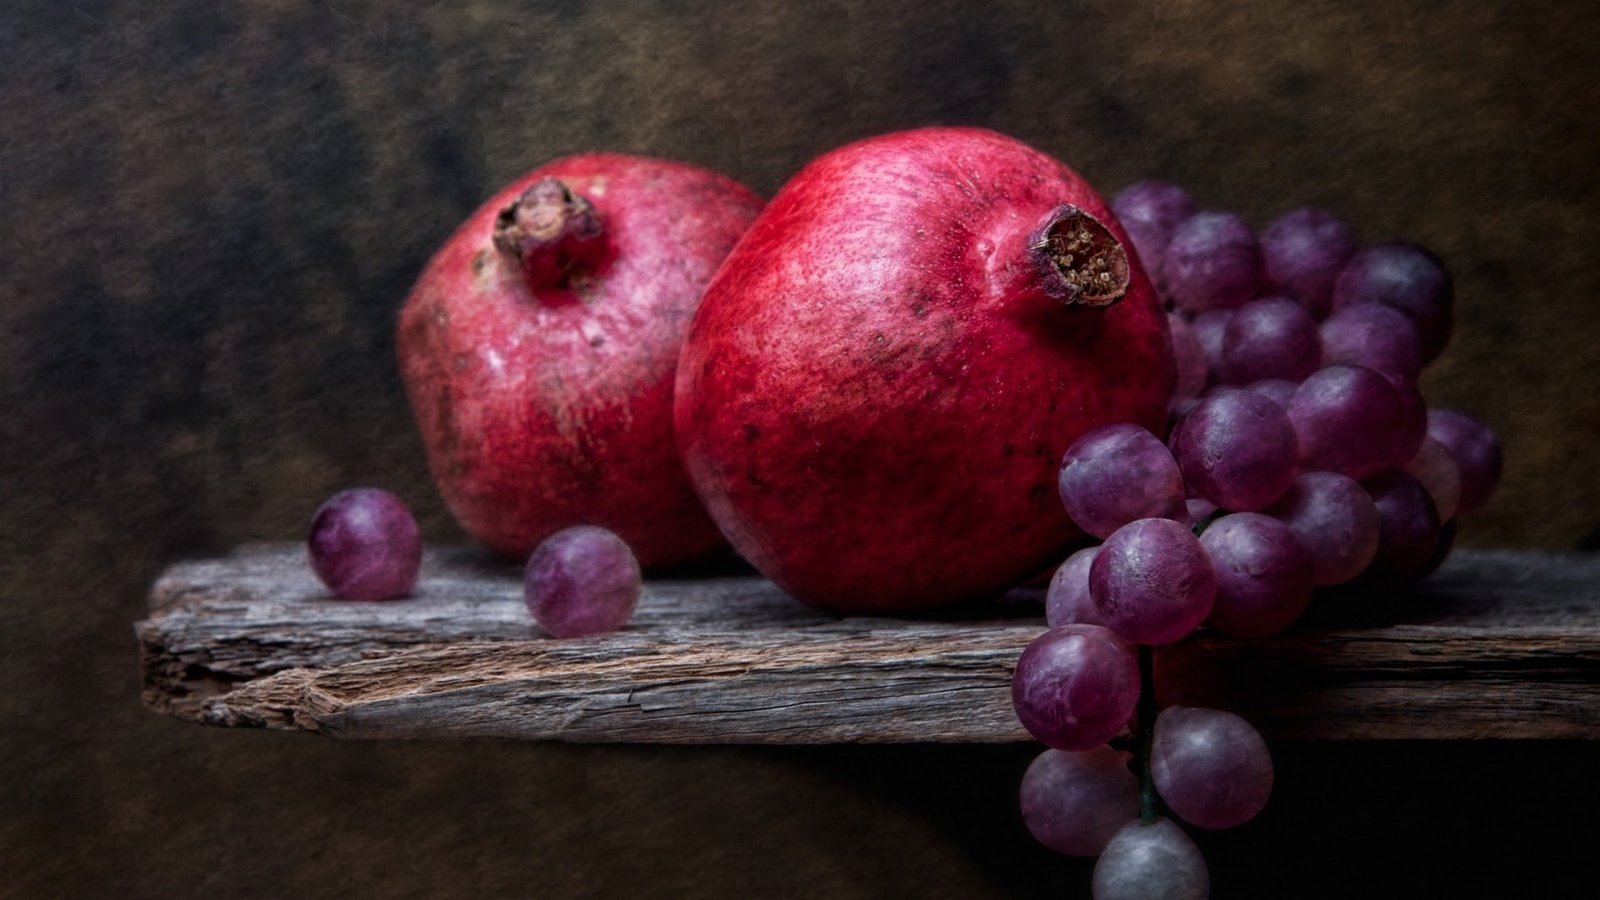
(209, 212)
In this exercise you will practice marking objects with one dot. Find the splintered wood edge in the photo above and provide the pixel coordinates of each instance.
(252, 640)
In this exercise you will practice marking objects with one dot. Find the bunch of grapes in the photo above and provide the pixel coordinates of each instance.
(1299, 454)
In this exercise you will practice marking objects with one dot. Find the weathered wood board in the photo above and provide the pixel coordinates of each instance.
(1495, 645)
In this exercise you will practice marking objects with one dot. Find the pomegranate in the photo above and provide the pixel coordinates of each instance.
(539, 345)
(880, 383)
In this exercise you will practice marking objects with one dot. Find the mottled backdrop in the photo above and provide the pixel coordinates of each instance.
(210, 210)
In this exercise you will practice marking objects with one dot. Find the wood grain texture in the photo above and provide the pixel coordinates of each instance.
(1496, 645)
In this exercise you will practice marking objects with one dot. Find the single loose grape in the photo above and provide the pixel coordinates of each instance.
(1149, 212)
(1212, 262)
(1476, 451)
(1263, 574)
(1408, 278)
(1273, 337)
(1212, 769)
(1075, 686)
(1073, 802)
(1302, 252)
(365, 545)
(1152, 581)
(1067, 601)
(1237, 449)
(1115, 474)
(1337, 522)
(1151, 862)
(1373, 335)
(581, 581)
(1347, 419)
(1409, 525)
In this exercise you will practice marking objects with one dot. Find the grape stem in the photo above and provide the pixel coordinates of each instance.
(1148, 802)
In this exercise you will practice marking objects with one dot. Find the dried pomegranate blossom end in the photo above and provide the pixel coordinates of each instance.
(551, 234)
(1082, 262)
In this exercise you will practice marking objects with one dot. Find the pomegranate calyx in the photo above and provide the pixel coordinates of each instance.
(551, 234)
(1080, 260)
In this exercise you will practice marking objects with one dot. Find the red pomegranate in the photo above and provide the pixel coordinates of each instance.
(879, 386)
(539, 345)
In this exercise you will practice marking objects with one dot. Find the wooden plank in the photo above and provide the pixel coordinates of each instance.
(1496, 645)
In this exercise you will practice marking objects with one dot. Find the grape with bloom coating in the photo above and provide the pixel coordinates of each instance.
(1067, 601)
(1263, 574)
(1151, 862)
(1406, 277)
(581, 581)
(1236, 449)
(1074, 802)
(1302, 252)
(1476, 451)
(1149, 212)
(1115, 474)
(1272, 337)
(1373, 335)
(1409, 525)
(1212, 769)
(1075, 686)
(1337, 522)
(1212, 262)
(1152, 581)
(365, 545)
(1347, 420)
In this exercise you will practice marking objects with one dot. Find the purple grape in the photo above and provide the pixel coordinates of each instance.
(1212, 262)
(1476, 451)
(1408, 278)
(1372, 335)
(1237, 449)
(1075, 686)
(1302, 252)
(1116, 474)
(1074, 802)
(1270, 338)
(1212, 769)
(1437, 470)
(581, 581)
(1150, 211)
(1193, 369)
(1336, 521)
(1277, 390)
(1151, 862)
(1152, 581)
(1348, 420)
(364, 545)
(1210, 329)
(1067, 602)
(1263, 574)
(1409, 525)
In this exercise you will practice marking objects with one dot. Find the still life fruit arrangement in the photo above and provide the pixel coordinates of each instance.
(935, 366)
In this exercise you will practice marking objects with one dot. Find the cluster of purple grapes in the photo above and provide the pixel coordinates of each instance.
(1300, 454)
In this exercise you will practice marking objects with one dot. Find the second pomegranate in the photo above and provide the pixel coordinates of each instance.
(881, 380)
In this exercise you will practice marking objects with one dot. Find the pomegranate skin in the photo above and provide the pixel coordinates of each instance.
(540, 363)
(879, 385)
